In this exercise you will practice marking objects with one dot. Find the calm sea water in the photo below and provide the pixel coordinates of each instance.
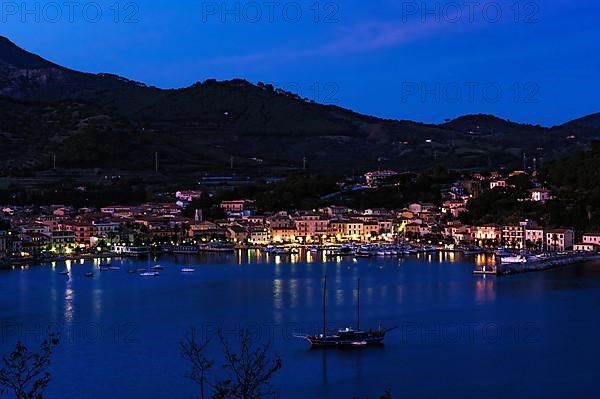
(460, 336)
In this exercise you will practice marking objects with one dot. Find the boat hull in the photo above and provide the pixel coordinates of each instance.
(319, 343)
(353, 340)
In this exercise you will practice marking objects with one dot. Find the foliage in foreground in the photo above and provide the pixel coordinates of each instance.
(248, 373)
(24, 372)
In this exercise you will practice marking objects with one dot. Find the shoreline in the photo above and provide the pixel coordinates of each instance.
(500, 269)
(12, 264)
(508, 269)
(546, 264)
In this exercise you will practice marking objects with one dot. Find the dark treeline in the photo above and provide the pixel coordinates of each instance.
(302, 192)
(504, 205)
(311, 191)
(575, 183)
(70, 193)
(399, 191)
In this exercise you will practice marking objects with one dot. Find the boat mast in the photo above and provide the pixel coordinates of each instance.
(324, 305)
(358, 308)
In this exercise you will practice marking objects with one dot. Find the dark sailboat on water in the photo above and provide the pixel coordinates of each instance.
(346, 337)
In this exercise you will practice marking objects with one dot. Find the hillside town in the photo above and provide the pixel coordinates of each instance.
(38, 232)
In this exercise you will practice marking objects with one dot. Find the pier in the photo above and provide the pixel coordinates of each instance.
(544, 264)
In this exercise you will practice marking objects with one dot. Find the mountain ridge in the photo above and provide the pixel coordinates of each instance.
(236, 118)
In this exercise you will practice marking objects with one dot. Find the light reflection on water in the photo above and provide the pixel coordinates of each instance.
(293, 284)
(485, 289)
(278, 294)
(281, 295)
(69, 312)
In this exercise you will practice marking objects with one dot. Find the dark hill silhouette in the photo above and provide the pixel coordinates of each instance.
(201, 126)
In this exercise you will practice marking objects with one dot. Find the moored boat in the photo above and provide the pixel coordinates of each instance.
(474, 251)
(519, 259)
(150, 274)
(217, 247)
(184, 249)
(345, 337)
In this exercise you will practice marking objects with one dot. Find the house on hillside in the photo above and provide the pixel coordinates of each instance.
(540, 195)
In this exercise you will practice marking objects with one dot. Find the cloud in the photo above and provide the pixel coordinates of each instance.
(366, 37)
(389, 32)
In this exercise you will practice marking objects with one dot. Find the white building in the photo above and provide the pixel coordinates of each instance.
(105, 229)
(534, 235)
(591, 238)
(560, 239)
(374, 178)
(127, 250)
(259, 236)
(188, 195)
(498, 183)
(590, 243)
(540, 195)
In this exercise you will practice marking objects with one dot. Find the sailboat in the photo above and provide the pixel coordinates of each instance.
(346, 337)
(149, 272)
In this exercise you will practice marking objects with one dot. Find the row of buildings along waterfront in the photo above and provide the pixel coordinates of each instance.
(62, 229)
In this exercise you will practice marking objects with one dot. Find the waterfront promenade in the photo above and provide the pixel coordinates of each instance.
(546, 264)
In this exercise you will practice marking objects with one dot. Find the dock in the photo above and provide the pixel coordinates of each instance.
(545, 264)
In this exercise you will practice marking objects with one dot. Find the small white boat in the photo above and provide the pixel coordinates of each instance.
(114, 268)
(187, 270)
(157, 267)
(519, 259)
(150, 274)
(513, 259)
(65, 272)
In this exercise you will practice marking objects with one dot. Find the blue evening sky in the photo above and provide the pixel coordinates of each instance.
(528, 61)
